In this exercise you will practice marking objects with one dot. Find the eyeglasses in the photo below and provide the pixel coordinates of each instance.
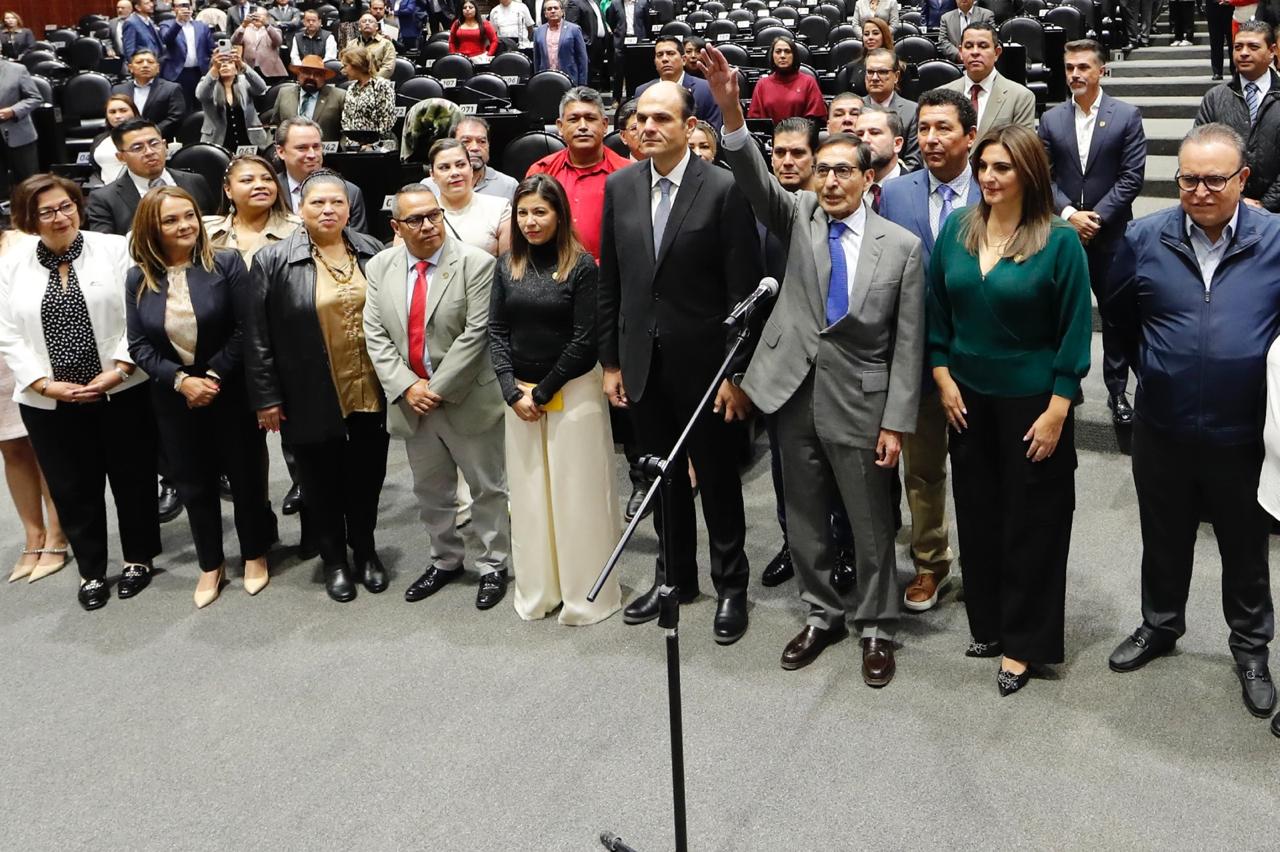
(842, 172)
(880, 72)
(415, 222)
(149, 145)
(48, 214)
(1213, 183)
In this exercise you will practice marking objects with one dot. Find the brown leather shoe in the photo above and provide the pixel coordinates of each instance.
(808, 644)
(877, 662)
(922, 592)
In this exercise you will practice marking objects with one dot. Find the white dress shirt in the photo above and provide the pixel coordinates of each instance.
(140, 95)
(984, 95)
(144, 184)
(295, 192)
(1209, 254)
(629, 16)
(1086, 123)
(189, 36)
(851, 243)
(676, 176)
(411, 281)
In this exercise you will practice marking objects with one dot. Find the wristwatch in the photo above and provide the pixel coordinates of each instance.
(736, 379)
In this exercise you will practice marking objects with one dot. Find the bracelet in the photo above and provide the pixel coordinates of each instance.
(124, 377)
(44, 384)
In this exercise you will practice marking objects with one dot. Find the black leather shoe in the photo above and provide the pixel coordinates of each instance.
(93, 595)
(1139, 649)
(224, 487)
(1008, 683)
(1256, 688)
(1121, 410)
(339, 584)
(645, 607)
(432, 581)
(779, 570)
(135, 578)
(170, 505)
(843, 577)
(731, 620)
(984, 650)
(307, 550)
(292, 501)
(493, 587)
(807, 645)
(638, 490)
(371, 573)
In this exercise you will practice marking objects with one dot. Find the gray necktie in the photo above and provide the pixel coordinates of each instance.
(308, 109)
(1251, 100)
(660, 215)
(154, 182)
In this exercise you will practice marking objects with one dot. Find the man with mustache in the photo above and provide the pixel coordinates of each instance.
(313, 97)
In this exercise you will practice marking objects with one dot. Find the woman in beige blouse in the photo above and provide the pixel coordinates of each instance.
(186, 316)
(258, 214)
(483, 221)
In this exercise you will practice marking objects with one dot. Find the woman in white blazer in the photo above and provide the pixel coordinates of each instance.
(886, 10)
(62, 332)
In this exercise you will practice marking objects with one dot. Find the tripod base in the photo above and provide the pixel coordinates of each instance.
(614, 843)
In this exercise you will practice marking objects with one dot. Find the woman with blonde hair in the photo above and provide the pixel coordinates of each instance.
(704, 142)
(542, 338)
(186, 313)
(876, 33)
(258, 215)
(1009, 329)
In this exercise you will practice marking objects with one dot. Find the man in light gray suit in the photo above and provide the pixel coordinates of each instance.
(955, 22)
(18, 98)
(839, 362)
(426, 319)
(997, 99)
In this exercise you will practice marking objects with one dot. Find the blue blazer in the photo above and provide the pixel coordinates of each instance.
(220, 298)
(573, 52)
(704, 103)
(934, 10)
(905, 201)
(175, 48)
(138, 34)
(1115, 168)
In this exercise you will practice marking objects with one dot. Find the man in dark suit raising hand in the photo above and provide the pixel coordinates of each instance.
(678, 249)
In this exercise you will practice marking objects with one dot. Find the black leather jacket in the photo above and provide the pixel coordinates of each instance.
(286, 362)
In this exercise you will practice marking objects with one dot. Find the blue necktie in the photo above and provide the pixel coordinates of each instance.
(948, 194)
(838, 290)
(660, 215)
(1251, 100)
(308, 105)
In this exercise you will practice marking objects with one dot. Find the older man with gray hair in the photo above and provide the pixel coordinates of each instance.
(426, 318)
(473, 132)
(583, 167)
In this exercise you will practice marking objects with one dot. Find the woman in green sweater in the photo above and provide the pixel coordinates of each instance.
(1009, 330)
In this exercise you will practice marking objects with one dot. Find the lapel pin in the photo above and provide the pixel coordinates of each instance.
(1102, 124)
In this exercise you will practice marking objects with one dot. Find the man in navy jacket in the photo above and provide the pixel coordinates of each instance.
(181, 65)
(1195, 297)
(139, 32)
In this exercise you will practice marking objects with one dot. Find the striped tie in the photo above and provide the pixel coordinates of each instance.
(1251, 101)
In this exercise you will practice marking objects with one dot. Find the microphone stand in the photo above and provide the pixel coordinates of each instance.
(659, 468)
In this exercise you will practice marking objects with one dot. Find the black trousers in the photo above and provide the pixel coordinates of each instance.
(341, 482)
(1218, 17)
(17, 164)
(203, 443)
(841, 532)
(187, 80)
(1013, 519)
(1115, 364)
(1175, 481)
(83, 447)
(1182, 19)
(669, 400)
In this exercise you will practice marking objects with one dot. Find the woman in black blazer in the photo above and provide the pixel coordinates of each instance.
(186, 309)
(15, 39)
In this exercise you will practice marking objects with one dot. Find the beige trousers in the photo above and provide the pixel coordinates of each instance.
(565, 518)
(924, 460)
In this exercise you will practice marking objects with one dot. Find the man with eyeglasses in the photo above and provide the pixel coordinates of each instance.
(1195, 295)
(188, 49)
(110, 209)
(1249, 103)
(426, 319)
(882, 73)
(839, 365)
(157, 99)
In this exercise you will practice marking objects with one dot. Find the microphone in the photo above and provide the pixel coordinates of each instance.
(614, 843)
(767, 289)
(485, 95)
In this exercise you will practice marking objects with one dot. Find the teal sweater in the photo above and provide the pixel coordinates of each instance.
(1024, 329)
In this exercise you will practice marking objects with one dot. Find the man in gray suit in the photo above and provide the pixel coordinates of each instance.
(996, 99)
(18, 98)
(426, 320)
(839, 362)
(314, 96)
(955, 22)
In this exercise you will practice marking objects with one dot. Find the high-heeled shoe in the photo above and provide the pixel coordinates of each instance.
(1008, 683)
(204, 597)
(254, 583)
(58, 561)
(21, 568)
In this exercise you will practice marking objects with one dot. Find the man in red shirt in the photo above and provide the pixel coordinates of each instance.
(584, 166)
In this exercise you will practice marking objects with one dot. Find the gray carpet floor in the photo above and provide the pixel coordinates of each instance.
(287, 721)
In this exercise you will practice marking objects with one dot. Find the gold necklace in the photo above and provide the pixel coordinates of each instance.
(340, 275)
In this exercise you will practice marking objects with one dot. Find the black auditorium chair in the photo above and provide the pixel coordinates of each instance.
(840, 32)
(719, 27)
(787, 15)
(833, 13)
(35, 56)
(87, 22)
(937, 73)
(266, 101)
(1033, 8)
(189, 128)
(63, 36)
(755, 5)
(916, 19)
(443, 36)
(84, 104)
(699, 16)
(614, 142)
(523, 151)
(512, 64)
(766, 36)
(814, 29)
(542, 95)
(715, 7)
(904, 30)
(736, 55)
(420, 88)
(742, 15)
(490, 84)
(1067, 17)
(851, 78)
(402, 71)
(454, 66)
(1030, 34)
(84, 54)
(915, 49)
(1002, 9)
(661, 11)
(53, 69)
(847, 51)
(762, 23)
(208, 161)
(431, 51)
(336, 67)
(679, 29)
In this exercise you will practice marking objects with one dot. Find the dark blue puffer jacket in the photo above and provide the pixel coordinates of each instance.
(1200, 357)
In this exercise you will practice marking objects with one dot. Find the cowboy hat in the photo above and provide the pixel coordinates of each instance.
(315, 63)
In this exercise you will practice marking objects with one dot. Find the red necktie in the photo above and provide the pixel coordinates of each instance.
(876, 189)
(973, 95)
(418, 321)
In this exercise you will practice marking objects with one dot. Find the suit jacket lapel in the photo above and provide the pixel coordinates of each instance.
(994, 102)
(868, 255)
(642, 200)
(441, 278)
(684, 200)
(1106, 106)
(819, 228)
(396, 286)
(922, 212)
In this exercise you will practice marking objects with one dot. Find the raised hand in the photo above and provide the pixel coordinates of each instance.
(722, 78)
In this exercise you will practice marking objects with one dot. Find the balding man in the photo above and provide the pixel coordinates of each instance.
(842, 115)
(678, 250)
